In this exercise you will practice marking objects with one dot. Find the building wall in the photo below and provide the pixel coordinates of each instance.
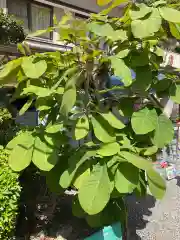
(3, 5)
(87, 5)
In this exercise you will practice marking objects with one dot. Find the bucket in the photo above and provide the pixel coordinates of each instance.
(113, 232)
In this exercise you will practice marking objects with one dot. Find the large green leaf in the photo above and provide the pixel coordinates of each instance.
(75, 161)
(150, 151)
(137, 161)
(122, 184)
(26, 106)
(143, 79)
(116, 207)
(45, 156)
(10, 68)
(164, 131)
(102, 30)
(39, 91)
(114, 4)
(21, 155)
(55, 128)
(102, 130)
(109, 149)
(156, 183)
(175, 30)
(141, 189)
(175, 93)
(170, 14)
(68, 100)
(40, 32)
(94, 194)
(121, 70)
(140, 11)
(130, 172)
(82, 173)
(17, 140)
(144, 121)
(147, 27)
(123, 53)
(105, 30)
(82, 128)
(53, 176)
(103, 2)
(33, 69)
(77, 209)
(113, 120)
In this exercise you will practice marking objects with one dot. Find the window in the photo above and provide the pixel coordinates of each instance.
(34, 16)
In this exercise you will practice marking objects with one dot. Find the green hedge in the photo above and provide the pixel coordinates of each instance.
(9, 197)
(11, 31)
(9, 185)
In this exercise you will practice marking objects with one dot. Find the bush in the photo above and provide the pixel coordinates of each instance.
(11, 31)
(9, 185)
(8, 128)
(9, 196)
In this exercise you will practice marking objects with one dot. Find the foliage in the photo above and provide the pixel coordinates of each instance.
(9, 197)
(8, 128)
(72, 90)
(11, 31)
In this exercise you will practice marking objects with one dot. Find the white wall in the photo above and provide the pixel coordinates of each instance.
(90, 5)
(3, 5)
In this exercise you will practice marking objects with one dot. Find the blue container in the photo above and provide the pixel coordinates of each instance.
(113, 232)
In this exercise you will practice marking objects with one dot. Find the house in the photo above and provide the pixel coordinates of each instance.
(38, 14)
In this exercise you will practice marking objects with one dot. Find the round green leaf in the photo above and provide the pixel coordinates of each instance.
(44, 156)
(102, 130)
(147, 27)
(21, 155)
(144, 121)
(170, 14)
(164, 131)
(95, 192)
(33, 70)
(82, 128)
(122, 184)
(113, 120)
(121, 70)
(175, 93)
(109, 149)
(156, 183)
(137, 161)
(140, 11)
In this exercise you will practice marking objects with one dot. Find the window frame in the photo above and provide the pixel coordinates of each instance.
(29, 16)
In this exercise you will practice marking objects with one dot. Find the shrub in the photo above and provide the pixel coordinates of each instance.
(11, 31)
(9, 196)
(8, 128)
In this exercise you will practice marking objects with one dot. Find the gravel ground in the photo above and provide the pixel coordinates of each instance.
(156, 220)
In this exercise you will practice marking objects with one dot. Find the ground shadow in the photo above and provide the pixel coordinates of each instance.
(178, 181)
(138, 209)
